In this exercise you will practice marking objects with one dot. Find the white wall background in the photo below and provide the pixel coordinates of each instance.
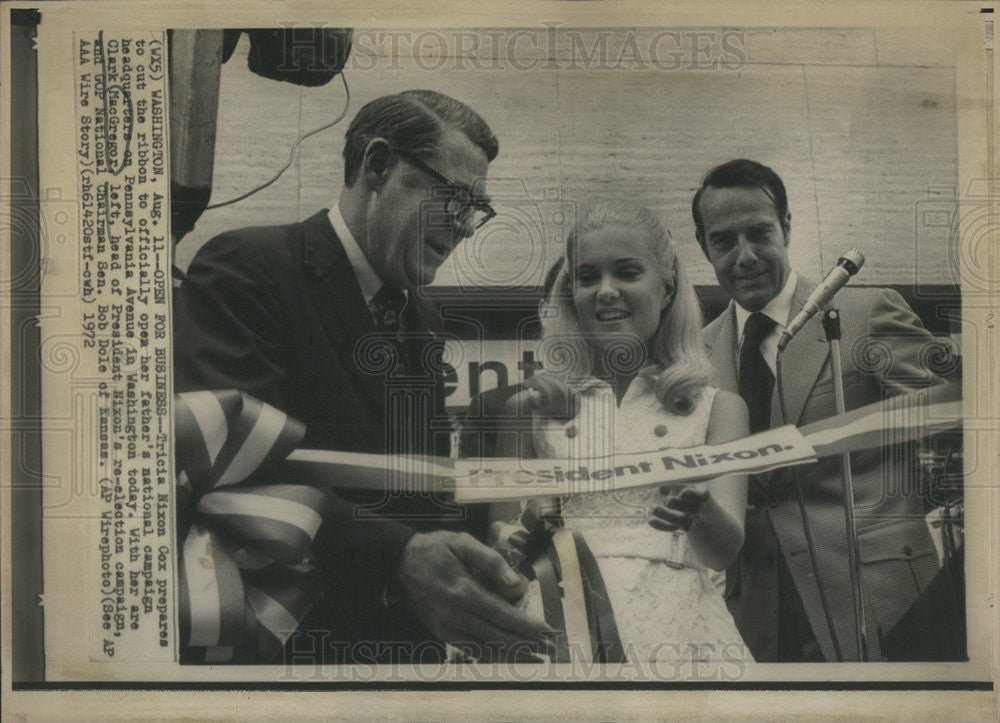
(859, 122)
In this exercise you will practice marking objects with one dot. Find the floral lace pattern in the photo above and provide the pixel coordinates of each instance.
(666, 604)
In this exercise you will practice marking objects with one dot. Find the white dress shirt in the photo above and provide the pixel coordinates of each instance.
(779, 308)
(367, 277)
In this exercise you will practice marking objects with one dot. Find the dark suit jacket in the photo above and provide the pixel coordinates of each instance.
(881, 348)
(278, 312)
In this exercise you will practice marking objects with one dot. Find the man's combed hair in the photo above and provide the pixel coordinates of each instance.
(676, 360)
(413, 121)
(737, 173)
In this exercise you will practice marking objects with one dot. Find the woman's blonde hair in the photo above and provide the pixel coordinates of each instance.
(676, 360)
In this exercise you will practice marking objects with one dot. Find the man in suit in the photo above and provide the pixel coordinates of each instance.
(304, 317)
(744, 228)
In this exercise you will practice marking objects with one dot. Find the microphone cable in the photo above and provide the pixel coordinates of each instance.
(292, 151)
(810, 542)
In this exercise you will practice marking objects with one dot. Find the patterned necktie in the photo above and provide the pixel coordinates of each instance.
(756, 377)
(387, 308)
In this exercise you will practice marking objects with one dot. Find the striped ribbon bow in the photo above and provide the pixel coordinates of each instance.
(245, 580)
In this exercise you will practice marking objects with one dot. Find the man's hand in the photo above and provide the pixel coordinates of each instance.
(681, 508)
(461, 591)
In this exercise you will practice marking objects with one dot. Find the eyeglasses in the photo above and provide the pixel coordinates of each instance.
(459, 203)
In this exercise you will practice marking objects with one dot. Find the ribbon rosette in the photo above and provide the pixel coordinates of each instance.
(245, 580)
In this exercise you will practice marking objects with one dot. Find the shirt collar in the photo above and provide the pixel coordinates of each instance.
(777, 308)
(368, 279)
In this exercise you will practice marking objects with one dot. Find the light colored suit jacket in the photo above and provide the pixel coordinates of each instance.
(882, 347)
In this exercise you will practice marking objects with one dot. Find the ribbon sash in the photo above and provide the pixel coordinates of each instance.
(903, 418)
(576, 602)
(245, 581)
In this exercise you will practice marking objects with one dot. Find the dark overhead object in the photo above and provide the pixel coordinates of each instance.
(195, 59)
(303, 56)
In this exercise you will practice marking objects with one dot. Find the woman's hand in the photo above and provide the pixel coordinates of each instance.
(681, 509)
(715, 534)
(711, 511)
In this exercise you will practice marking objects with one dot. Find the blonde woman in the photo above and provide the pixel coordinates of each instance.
(626, 372)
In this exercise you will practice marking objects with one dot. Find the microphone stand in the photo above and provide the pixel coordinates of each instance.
(831, 326)
(806, 527)
(847, 266)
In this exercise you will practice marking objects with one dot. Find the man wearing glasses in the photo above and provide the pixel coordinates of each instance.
(284, 312)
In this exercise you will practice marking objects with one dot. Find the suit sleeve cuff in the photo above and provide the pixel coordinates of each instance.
(396, 538)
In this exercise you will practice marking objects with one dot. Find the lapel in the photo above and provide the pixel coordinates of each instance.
(336, 295)
(802, 361)
(720, 343)
(422, 316)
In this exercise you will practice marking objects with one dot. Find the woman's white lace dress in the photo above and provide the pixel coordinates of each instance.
(664, 600)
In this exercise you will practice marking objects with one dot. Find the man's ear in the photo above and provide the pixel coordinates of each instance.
(786, 227)
(377, 162)
(700, 238)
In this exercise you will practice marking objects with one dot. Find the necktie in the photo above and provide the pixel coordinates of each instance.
(756, 377)
(387, 307)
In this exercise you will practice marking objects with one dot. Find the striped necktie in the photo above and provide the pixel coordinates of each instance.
(387, 309)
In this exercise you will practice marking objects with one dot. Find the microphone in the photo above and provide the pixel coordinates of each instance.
(839, 275)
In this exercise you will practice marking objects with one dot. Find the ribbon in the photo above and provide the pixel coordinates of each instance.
(899, 419)
(575, 600)
(245, 581)
(902, 418)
